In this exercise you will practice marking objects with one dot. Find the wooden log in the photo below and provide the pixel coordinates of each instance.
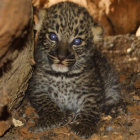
(16, 53)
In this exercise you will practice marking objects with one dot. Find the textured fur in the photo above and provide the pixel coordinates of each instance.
(83, 82)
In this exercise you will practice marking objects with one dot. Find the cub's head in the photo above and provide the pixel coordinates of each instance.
(67, 37)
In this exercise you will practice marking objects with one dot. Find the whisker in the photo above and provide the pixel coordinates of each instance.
(56, 60)
(51, 56)
(64, 63)
(70, 59)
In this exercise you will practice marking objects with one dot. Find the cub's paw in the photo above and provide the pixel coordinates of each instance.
(83, 129)
(111, 110)
(49, 121)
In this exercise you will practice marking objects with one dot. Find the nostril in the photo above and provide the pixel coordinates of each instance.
(61, 57)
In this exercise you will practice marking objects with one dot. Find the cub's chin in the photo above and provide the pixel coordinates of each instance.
(59, 68)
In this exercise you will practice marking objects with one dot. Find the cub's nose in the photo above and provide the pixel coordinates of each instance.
(62, 53)
(61, 57)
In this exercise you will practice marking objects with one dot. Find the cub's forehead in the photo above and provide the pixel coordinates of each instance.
(68, 11)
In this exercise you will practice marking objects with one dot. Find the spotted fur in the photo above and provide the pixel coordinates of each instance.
(68, 77)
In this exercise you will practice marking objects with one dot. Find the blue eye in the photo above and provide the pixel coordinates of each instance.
(53, 36)
(77, 41)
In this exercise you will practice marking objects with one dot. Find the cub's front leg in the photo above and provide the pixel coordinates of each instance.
(86, 120)
(50, 115)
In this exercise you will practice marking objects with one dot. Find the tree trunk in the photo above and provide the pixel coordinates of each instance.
(16, 55)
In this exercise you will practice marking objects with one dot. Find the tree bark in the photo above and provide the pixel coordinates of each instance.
(16, 54)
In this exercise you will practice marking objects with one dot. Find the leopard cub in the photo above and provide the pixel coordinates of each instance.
(71, 75)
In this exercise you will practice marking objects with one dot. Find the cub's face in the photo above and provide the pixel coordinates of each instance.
(67, 38)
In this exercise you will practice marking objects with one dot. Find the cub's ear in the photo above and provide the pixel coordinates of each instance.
(40, 17)
(97, 31)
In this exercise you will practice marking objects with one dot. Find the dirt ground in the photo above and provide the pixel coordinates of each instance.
(124, 52)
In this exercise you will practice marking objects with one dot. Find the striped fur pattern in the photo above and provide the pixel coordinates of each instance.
(71, 78)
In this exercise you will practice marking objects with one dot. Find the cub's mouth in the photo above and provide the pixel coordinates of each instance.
(59, 64)
(60, 68)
